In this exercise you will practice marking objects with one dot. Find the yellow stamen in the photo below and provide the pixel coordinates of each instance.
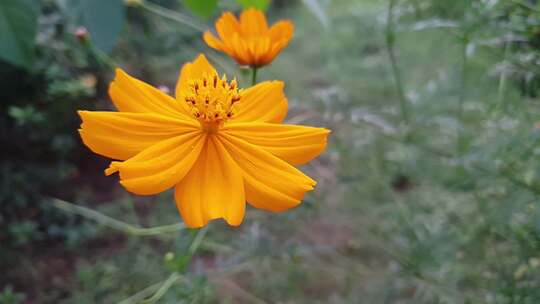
(212, 100)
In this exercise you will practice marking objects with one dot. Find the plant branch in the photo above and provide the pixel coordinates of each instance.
(462, 93)
(390, 40)
(114, 223)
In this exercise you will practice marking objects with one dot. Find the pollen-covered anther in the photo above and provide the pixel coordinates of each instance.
(212, 100)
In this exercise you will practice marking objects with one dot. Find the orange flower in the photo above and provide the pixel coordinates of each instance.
(250, 41)
(218, 146)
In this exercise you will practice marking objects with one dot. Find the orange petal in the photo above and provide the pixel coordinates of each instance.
(258, 48)
(192, 70)
(295, 144)
(238, 50)
(213, 189)
(281, 30)
(253, 23)
(226, 26)
(162, 165)
(273, 51)
(264, 102)
(122, 135)
(213, 41)
(271, 183)
(132, 95)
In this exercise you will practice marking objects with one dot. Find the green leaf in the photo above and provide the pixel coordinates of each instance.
(258, 4)
(18, 26)
(203, 8)
(104, 20)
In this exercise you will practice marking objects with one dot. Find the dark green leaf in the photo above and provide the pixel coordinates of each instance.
(18, 25)
(203, 8)
(104, 20)
(258, 4)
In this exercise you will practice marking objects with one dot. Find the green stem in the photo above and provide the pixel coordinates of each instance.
(390, 39)
(165, 286)
(526, 6)
(254, 76)
(102, 58)
(197, 240)
(114, 223)
(141, 295)
(502, 82)
(171, 15)
(462, 94)
(155, 292)
(158, 290)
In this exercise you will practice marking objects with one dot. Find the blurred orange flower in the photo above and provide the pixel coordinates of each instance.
(218, 146)
(249, 40)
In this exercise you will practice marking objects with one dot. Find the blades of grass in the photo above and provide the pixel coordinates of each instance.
(114, 223)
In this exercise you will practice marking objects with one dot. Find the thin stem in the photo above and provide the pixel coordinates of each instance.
(114, 223)
(390, 40)
(159, 289)
(171, 15)
(155, 291)
(141, 295)
(175, 276)
(502, 81)
(254, 76)
(103, 58)
(526, 6)
(197, 240)
(462, 94)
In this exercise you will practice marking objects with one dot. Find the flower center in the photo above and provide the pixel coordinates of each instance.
(212, 100)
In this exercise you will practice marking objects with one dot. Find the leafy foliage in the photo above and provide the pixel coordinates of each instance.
(18, 25)
(259, 4)
(104, 19)
(204, 8)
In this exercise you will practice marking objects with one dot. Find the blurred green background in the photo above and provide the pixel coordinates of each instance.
(427, 193)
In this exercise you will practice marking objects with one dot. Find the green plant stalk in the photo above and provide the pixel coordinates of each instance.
(159, 289)
(390, 40)
(525, 5)
(141, 295)
(102, 57)
(460, 144)
(254, 76)
(114, 223)
(171, 15)
(197, 240)
(502, 81)
(165, 286)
